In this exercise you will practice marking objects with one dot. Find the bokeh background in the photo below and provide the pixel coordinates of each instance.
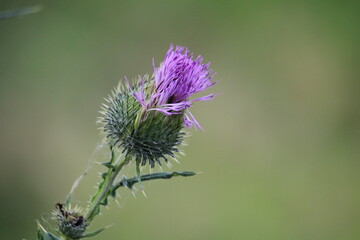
(280, 153)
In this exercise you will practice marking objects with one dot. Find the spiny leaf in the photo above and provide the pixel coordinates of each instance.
(108, 164)
(147, 177)
(105, 202)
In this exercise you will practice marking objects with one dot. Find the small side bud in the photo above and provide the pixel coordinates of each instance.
(71, 222)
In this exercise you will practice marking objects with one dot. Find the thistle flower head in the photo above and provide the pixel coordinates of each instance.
(147, 120)
(176, 80)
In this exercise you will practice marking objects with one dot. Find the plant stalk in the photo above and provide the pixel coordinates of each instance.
(105, 186)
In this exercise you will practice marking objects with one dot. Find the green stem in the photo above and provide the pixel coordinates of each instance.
(106, 185)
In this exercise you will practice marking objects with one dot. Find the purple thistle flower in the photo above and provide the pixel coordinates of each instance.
(176, 80)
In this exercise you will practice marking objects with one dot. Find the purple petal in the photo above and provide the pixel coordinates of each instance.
(190, 121)
(206, 98)
(139, 96)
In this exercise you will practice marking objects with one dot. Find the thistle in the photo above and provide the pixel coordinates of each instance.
(145, 123)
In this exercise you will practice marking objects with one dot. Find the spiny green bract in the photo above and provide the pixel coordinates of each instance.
(70, 221)
(147, 136)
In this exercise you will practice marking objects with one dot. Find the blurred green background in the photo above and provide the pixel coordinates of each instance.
(280, 154)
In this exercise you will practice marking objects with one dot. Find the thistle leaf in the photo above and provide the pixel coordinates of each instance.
(129, 182)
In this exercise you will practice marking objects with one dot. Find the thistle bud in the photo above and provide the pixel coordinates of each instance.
(147, 136)
(71, 222)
